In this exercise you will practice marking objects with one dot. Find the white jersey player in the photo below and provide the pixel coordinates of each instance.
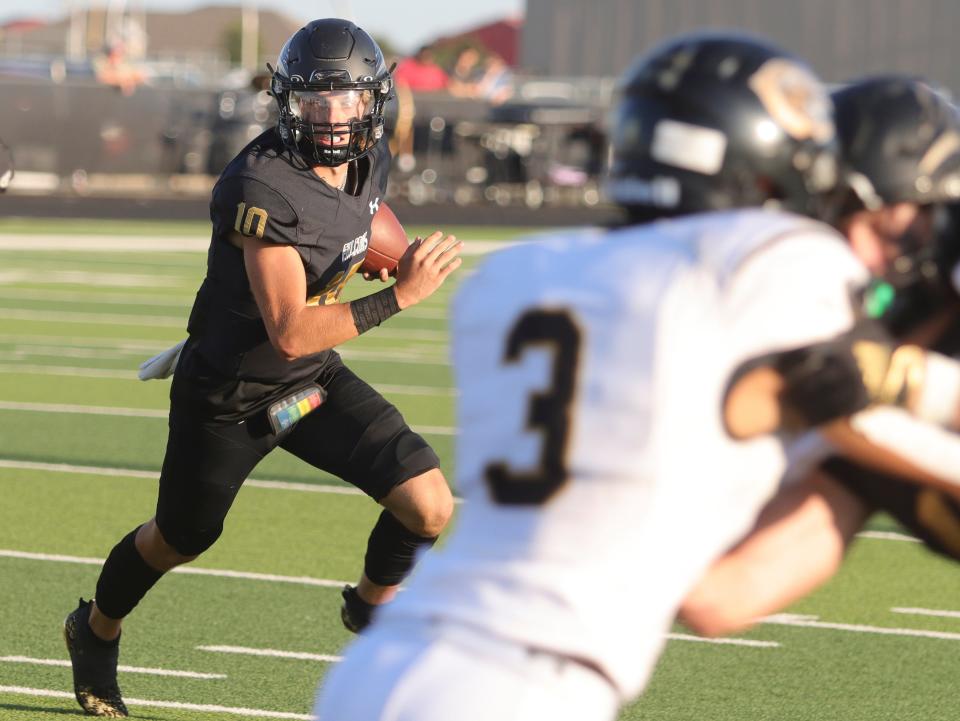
(617, 393)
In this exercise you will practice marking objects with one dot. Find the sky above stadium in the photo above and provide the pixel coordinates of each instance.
(407, 25)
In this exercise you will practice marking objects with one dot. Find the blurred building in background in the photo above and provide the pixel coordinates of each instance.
(842, 39)
(112, 99)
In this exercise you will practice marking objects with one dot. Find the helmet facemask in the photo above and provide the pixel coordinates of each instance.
(330, 123)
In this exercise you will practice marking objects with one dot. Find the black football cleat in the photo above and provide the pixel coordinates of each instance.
(355, 613)
(94, 666)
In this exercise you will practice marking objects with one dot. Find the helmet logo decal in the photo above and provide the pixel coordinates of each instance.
(689, 147)
(945, 146)
(794, 98)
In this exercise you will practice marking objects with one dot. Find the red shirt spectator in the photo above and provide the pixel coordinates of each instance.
(420, 73)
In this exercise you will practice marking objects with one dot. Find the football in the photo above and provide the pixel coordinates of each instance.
(388, 241)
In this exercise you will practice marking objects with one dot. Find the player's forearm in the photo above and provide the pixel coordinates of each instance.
(798, 543)
(312, 329)
(891, 440)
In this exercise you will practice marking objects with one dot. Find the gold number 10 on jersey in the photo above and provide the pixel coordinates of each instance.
(246, 218)
(548, 411)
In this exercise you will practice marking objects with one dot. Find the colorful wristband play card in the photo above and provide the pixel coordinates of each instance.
(287, 411)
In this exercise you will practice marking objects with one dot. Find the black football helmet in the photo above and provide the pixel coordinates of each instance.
(331, 83)
(900, 141)
(711, 121)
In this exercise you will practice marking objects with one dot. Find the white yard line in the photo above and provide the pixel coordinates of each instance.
(66, 316)
(272, 653)
(22, 294)
(68, 372)
(887, 536)
(788, 619)
(147, 413)
(154, 475)
(206, 708)
(89, 279)
(159, 244)
(927, 612)
(82, 410)
(435, 337)
(127, 243)
(188, 570)
(126, 669)
(724, 641)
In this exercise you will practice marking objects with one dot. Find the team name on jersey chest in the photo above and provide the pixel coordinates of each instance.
(353, 248)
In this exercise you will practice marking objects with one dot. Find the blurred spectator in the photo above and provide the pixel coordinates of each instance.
(6, 167)
(420, 73)
(113, 68)
(467, 73)
(496, 84)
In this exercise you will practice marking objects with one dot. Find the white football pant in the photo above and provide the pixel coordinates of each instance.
(416, 671)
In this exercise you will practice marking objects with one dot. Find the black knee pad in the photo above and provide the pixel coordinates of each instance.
(124, 579)
(391, 550)
(189, 541)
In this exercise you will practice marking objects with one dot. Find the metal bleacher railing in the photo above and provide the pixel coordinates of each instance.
(72, 135)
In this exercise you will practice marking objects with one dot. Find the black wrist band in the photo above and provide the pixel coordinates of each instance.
(372, 310)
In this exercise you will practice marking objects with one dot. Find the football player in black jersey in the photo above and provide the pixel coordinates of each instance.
(291, 220)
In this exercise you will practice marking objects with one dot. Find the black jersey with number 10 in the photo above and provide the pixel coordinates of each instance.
(267, 193)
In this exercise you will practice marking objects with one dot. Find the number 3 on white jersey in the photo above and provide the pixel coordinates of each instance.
(548, 411)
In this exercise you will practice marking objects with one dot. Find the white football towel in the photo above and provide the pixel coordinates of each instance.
(161, 365)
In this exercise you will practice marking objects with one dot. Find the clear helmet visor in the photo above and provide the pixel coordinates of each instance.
(331, 107)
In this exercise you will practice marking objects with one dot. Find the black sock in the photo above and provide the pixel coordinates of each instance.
(391, 550)
(124, 579)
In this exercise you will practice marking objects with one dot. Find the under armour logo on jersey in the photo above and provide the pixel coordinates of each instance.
(374, 205)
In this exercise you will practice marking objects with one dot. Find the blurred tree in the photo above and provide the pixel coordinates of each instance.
(232, 42)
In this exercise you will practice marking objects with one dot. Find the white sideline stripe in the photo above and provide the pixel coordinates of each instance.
(189, 570)
(888, 536)
(272, 652)
(326, 658)
(121, 667)
(207, 708)
(153, 475)
(359, 356)
(84, 410)
(148, 243)
(786, 619)
(146, 345)
(146, 413)
(101, 298)
(66, 316)
(724, 641)
(68, 371)
(927, 612)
